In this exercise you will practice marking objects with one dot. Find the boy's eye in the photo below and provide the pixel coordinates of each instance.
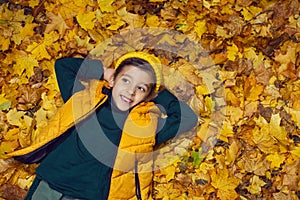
(125, 80)
(142, 89)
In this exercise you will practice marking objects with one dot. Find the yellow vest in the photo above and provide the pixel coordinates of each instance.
(136, 144)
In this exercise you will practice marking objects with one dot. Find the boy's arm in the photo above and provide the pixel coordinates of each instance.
(69, 72)
(180, 117)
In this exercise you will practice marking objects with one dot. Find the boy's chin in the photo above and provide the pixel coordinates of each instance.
(124, 107)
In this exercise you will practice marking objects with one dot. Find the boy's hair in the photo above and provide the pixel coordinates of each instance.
(141, 64)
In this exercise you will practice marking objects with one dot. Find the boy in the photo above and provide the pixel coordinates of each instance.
(110, 159)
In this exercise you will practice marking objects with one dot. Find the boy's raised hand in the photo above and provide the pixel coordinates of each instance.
(109, 75)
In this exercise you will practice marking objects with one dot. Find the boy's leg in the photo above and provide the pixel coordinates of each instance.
(69, 198)
(44, 192)
(32, 188)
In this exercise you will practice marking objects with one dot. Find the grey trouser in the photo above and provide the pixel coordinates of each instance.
(44, 192)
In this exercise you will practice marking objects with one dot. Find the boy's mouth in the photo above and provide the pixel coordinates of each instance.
(126, 100)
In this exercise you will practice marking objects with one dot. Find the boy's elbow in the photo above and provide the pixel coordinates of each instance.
(194, 120)
(58, 65)
(189, 116)
(191, 121)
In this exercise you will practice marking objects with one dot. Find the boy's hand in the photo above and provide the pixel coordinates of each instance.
(109, 75)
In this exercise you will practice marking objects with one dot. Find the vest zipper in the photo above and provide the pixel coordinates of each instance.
(137, 182)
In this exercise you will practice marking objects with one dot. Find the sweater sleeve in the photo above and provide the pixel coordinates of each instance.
(180, 117)
(70, 72)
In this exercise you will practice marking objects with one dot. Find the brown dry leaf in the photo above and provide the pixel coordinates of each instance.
(12, 192)
(263, 74)
(290, 179)
(253, 162)
(188, 72)
(57, 23)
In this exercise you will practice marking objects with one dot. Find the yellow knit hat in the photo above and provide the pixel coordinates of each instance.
(151, 59)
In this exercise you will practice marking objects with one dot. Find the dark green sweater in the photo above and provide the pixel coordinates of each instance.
(81, 166)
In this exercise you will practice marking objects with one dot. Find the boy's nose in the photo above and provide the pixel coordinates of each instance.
(131, 90)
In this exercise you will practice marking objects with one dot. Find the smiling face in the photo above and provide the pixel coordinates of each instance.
(132, 85)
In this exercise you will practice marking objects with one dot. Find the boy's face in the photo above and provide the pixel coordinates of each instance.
(131, 86)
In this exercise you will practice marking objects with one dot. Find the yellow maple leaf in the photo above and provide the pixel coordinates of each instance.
(8, 146)
(250, 12)
(262, 138)
(225, 184)
(84, 42)
(14, 117)
(206, 130)
(200, 27)
(110, 22)
(105, 5)
(255, 92)
(256, 184)
(202, 90)
(234, 113)
(232, 98)
(296, 151)
(182, 24)
(227, 75)
(276, 159)
(206, 4)
(221, 32)
(25, 182)
(4, 103)
(133, 20)
(5, 42)
(12, 134)
(86, 20)
(233, 52)
(27, 30)
(232, 153)
(168, 172)
(295, 115)
(33, 3)
(226, 131)
(152, 21)
(24, 62)
(277, 131)
(258, 60)
(38, 50)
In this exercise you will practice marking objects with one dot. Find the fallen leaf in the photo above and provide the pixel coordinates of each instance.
(14, 117)
(12, 192)
(276, 160)
(224, 184)
(256, 184)
(86, 20)
(57, 23)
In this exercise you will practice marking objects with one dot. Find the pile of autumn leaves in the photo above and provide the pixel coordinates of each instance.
(247, 96)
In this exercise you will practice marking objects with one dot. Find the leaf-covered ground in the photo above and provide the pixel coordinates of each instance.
(243, 83)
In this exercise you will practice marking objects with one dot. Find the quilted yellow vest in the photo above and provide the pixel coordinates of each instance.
(136, 144)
